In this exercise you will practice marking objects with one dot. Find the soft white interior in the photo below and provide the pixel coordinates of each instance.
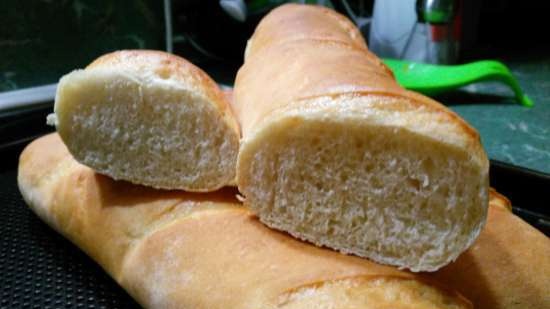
(153, 132)
(378, 191)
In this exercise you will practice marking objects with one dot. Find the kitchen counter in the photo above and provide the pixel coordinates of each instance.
(510, 132)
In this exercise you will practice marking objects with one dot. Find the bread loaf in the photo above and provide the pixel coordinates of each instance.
(150, 118)
(335, 152)
(173, 249)
(507, 267)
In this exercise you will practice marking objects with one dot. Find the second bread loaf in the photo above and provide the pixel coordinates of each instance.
(335, 152)
(151, 118)
(175, 249)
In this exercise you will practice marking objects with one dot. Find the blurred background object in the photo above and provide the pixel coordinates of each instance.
(42, 40)
(53, 37)
(421, 30)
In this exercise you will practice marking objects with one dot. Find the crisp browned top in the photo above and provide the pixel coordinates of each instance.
(293, 22)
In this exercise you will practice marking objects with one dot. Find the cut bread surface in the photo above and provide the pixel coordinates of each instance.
(146, 128)
(362, 183)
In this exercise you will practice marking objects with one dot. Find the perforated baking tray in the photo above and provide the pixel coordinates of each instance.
(41, 269)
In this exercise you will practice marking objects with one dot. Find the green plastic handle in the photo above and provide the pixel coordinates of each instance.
(431, 79)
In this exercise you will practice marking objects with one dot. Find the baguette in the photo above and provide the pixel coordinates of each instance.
(335, 152)
(150, 118)
(175, 249)
(507, 267)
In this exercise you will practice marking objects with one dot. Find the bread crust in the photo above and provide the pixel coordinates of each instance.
(507, 267)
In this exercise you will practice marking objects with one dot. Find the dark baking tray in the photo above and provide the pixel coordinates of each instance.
(41, 269)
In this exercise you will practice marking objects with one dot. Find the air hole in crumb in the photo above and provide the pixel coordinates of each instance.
(376, 184)
(428, 164)
(368, 167)
(331, 226)
(343, 177)
(318, 185)
(315, 141)
(415, 183)
(317, 166)
(444, 190)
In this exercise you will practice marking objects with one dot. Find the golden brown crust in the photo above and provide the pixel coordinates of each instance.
(292, 22)
(507, 267)
(499, 200)
(165, 66)
(365, 292)
(183, 250)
